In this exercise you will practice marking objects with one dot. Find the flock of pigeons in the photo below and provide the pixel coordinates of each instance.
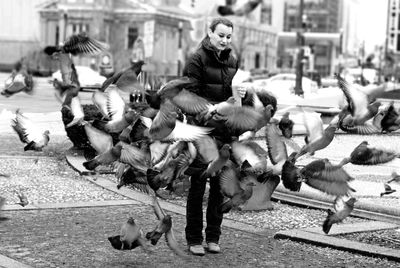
(152, 143)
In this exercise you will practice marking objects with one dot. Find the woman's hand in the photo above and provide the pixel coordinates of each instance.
(242, 88)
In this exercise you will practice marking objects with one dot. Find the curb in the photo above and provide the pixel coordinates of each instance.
(79, 204)
(75, 159)
(11, 263)
(339, 243)
(320, 200)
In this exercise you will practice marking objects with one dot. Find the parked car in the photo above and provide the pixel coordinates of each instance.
(88, 78)
(323, 100)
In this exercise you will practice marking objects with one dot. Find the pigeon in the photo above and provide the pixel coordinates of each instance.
(100, 100)
(74, 105)
(98, 139)
(290, 174)
(319, 174)
(217, 164)
(174, 91)
(240, 118)
(358, 103)
(263, 96)
(119, 114)
(19, 81)
(251, 152)
(23, 200)
(388, 190)
(64, 89)
(136, 179)
(164, 227)
(231, 8)
(277, 150)
(236, 188)
(106, 158)
(77, 44)
(131, 237)
(343, 207)
(326, 177)
(395, 177)
(29, 134)
(123, 152)
(391, 119)
(164, 129)
(286, 125)
(126, 80)
(364, 154)
(317, 138)
(160, 179)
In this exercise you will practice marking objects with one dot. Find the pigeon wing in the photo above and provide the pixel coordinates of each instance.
(83, 44)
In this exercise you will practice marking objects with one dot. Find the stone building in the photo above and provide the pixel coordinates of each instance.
(133, 29)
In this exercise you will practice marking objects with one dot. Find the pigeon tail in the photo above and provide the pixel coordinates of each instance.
(225, 10)
(50, 50)
(226, 206)
(91, 164)
(31, 147)
(154, 182)
(326, 226)
(153, 236)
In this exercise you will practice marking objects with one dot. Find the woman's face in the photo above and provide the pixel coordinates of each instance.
(221, 37)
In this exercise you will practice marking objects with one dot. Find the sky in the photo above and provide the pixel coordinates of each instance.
(372, 22)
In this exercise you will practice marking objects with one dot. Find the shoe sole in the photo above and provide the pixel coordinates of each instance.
(197, 254)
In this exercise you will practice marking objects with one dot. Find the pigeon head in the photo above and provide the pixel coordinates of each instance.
(131, 220)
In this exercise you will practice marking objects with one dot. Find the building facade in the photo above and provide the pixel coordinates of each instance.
(134, 30)
(255, 36)
(19, 30)
(321, 22)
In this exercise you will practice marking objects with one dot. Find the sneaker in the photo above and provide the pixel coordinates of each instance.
(213, 247)
(197, 250)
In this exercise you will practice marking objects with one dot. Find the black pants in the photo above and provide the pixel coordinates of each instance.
(194, 207)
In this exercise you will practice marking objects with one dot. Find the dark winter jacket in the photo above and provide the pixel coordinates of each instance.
(214, 74)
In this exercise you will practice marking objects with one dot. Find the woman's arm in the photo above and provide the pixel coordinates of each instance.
(194, 69)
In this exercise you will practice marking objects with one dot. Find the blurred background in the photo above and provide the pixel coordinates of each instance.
(321, 37)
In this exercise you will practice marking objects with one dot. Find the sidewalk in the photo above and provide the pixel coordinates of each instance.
(77, 237)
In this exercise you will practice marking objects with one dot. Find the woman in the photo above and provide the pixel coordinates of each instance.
(213, 67)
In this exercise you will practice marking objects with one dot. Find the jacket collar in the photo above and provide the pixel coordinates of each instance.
(206, 44)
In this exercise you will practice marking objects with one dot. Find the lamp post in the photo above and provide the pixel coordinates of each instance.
(65, 15)
(298, 90)
(180, 26)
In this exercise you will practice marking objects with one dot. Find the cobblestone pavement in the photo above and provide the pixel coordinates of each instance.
(78, 238)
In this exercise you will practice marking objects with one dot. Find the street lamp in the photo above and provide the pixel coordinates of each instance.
(180, 27)
(298, 90)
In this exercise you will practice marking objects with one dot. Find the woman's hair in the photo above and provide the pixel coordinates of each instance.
(217, 21)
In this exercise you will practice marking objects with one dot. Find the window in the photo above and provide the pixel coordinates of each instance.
(79, 28)
(257, 61)
(57, 35)
(132, 36)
